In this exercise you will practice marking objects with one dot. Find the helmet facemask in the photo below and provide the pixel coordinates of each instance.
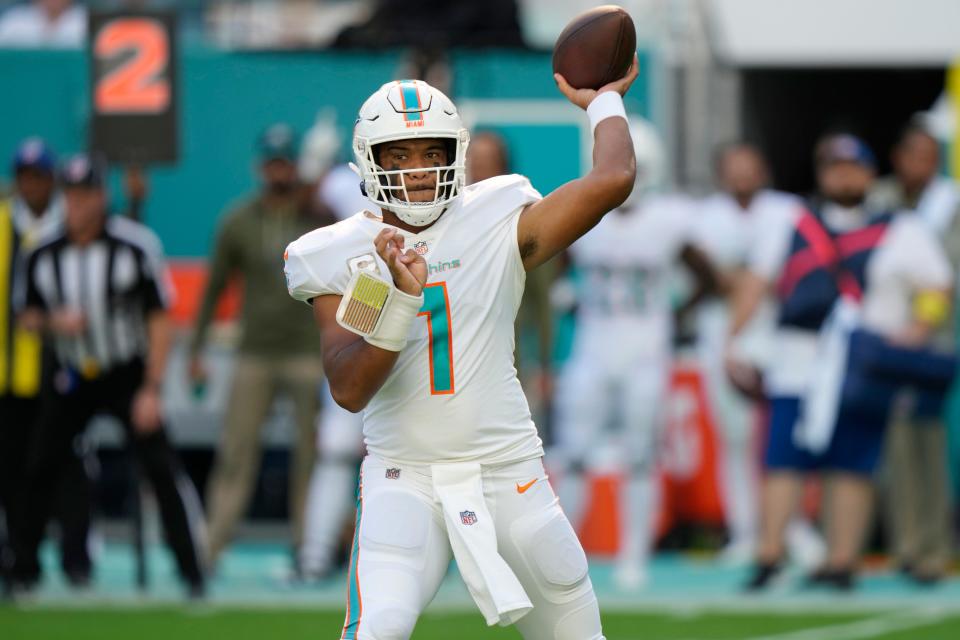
(410, 110)
(388, 189)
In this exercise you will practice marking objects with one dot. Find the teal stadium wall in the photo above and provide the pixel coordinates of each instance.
(227, 98)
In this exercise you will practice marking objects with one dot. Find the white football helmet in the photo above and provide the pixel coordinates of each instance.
(651, 161)
(320, 147)
(401, 110)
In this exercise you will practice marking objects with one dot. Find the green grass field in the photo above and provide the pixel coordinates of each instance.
(690, 598)
(43, 623)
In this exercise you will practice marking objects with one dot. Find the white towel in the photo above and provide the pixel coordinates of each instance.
(493, 585)
(821, 403)
(939, 203)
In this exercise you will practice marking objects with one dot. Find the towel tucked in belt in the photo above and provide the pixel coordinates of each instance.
(491, 582)
(821, 404)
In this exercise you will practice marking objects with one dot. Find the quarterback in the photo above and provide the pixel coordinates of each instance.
(416, 309)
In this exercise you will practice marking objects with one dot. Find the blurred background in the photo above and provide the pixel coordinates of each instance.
(200, 106)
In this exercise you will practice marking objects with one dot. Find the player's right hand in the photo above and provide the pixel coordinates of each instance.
(408, 269)
(583, 97)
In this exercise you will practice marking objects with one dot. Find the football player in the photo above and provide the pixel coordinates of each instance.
(416, 310)
(619, 368)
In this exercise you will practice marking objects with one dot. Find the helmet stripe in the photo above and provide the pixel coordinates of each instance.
(410, 98)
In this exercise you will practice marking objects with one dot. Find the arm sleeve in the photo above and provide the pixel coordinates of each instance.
(304, 280)
(155, 280)
(223, 264)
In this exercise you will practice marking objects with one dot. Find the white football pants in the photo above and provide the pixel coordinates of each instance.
(401, 552)
(590, 397)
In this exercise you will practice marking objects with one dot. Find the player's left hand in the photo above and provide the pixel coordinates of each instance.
(583, 97)
(409, 270)
(145, 410)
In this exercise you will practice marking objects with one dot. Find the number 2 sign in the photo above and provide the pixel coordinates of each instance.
(133, 86)
(138, 84)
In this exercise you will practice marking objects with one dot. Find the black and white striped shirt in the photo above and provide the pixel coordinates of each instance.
(116, 281)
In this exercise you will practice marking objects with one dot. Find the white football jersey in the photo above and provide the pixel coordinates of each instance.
(453, 394)
(624, 266)
(730, 235)
(735, 238)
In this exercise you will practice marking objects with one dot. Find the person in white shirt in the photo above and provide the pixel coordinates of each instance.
(917, 482)
(416, 310)
(729, 225)
(840, 248)
(44, 24)
(619, 368)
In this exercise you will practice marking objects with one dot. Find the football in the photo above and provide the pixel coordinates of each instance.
(596, 47)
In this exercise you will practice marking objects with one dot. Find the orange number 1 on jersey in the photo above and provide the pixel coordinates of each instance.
(436, 307)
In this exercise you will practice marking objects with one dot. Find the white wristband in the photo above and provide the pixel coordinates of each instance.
(375, 309)
(608, 104)
(398, 313)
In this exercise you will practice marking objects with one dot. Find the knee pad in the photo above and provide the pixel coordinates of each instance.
(553, 554)
(394, 527)
(575, 620)
(392, 623)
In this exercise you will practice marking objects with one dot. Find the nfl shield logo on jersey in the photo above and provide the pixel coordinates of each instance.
(393, 474)
(468, 517)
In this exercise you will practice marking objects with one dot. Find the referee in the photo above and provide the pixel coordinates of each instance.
(100, 288)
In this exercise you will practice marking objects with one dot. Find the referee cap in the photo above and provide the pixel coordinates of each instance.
(83, 170)
(34, 153)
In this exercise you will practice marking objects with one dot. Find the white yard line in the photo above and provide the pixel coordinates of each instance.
(858, 629)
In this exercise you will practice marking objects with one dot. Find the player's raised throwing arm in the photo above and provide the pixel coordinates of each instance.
(356, 368)
(555, 222)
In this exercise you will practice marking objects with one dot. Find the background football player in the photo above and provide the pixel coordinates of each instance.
(620, 364)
